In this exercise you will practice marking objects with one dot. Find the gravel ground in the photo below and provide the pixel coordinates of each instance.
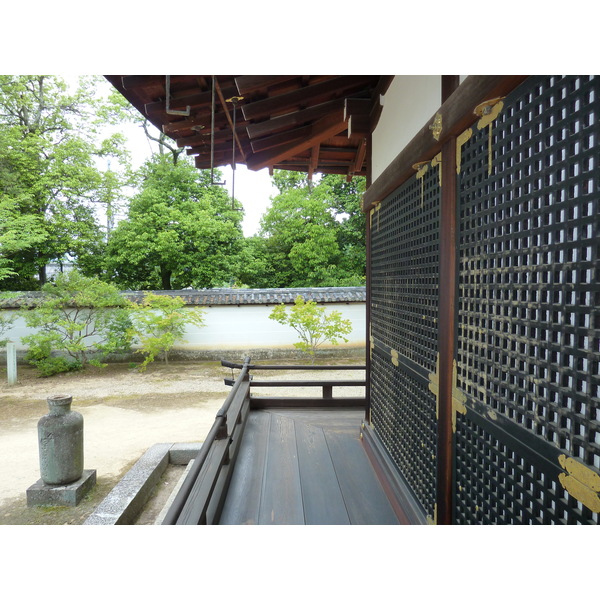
(125, 412)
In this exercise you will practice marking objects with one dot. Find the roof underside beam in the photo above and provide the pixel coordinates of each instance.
(313, 123)
(320, 131)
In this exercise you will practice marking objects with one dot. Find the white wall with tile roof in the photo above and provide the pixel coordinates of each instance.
(237, 328)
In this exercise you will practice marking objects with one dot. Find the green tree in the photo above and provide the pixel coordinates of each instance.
(254, 267)
(180, 232)
(119, 110)
(18, 233)
(79, 317)
(159, 322)
(345, 197)
(312, 233)
(312, 324)
(49, 175)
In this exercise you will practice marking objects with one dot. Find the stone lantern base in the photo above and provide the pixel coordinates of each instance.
(42, 494)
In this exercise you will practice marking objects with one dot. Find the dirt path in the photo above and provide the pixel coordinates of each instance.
(125, 412)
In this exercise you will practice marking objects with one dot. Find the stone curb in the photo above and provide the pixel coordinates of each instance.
(128, 498)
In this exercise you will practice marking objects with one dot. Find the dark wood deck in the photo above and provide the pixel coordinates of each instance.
(305, 467)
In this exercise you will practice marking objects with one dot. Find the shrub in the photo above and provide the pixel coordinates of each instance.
(77, 316)
(160, 321)
(313, 326)
(40, 356)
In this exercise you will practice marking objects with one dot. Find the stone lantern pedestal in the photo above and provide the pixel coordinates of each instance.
(64, 482)
(42, 494)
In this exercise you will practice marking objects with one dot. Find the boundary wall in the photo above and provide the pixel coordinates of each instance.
(237, 322)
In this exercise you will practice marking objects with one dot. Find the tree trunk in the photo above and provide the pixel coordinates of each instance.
(165, 275)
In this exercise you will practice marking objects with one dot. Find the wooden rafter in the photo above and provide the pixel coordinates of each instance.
(311, 123)
(281, 138)
(320, 131)
(293, 119)
(360, 157)
(310, 95)
(248, 84)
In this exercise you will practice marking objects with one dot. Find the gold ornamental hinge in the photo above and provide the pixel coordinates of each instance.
(421, 168)
(433, 520)
(436, 127)
(581, 482)
(459, 399)
(487, 112)
(434, 386)
(461, 140)
(375, 211)
(437, 162)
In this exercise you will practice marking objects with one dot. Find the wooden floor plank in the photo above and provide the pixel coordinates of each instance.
(321, 494)
(364, 497)
(281, 501)
(243, 498)
(301, 466)
(324, 417)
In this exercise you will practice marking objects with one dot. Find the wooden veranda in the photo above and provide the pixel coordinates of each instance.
(281, 460)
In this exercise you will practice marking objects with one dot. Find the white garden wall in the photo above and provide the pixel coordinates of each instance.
(233, 330)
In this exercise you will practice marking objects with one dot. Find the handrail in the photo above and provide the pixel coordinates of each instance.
(231, 365)
(325, 401)
(219, 432)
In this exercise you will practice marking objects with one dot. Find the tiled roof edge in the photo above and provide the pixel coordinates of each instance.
(226, 296)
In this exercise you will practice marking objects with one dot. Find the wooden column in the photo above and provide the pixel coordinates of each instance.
(447, 335)
(368, 288)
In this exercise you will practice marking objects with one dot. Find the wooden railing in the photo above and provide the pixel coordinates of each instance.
(202, 495)
(326, 400)
(200, 498)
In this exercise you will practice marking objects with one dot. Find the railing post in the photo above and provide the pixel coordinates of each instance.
(327, 392)
(222, 430)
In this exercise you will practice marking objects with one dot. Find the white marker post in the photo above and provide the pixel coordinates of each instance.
(11, 363)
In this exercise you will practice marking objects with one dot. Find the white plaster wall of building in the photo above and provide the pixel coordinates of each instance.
(410, 101)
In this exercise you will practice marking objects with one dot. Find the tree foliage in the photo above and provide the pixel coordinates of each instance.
(63, 182)
(49, 175)
(6, 321)
(159, 322)
(180, 232)
(313, 234)
(312, 324)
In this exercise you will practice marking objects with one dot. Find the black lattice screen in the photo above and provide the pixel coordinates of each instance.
(527, 427)
(529, 305)
(404, 315)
